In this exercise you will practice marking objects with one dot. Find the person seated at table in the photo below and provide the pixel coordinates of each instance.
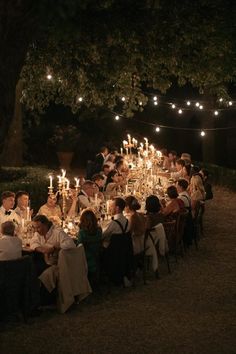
(90, 235)
(186, 157)
(110, 160)
(172, 159)
(6, 210)
(137, 223)
(10, 244)
(175, 205)
(197, 191)
(117, 207)
(207, 185)
(182, 186)
(113, 183)
(48, 239)
(179, 169)
(186, 172)
(165, 159)
(122, 168)
(99, 181)
(153, 211)
(22, 205)
(86, 194)
(51, 209)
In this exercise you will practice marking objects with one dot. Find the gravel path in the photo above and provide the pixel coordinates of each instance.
(192, 310)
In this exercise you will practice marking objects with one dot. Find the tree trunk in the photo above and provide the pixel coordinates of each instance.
(12, 154)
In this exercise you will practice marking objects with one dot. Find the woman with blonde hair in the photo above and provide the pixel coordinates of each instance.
(197, 191)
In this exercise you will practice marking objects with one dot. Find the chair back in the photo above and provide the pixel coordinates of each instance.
(118, 260)
(18, 286)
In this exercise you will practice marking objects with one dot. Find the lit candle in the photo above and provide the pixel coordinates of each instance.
(96, 199)
(121, 151)
(67, 184)
(59, 180)
(108, 206)
(125, 143)
(63, 173)
(27, 213)
(76, 182)
(50, 178)
(129, 138)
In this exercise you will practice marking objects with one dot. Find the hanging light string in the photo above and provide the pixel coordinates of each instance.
(118, 116)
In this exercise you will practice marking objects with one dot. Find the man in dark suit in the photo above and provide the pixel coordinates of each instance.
(99, 159)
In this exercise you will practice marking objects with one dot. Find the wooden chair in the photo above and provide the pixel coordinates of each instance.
(170, 230)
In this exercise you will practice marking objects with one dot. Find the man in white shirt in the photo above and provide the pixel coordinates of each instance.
(179, 170)
(10, 244)
(49, 239)
(87, 192)
(6, 210)
(117, 207)
(22, 205)
(181, 187)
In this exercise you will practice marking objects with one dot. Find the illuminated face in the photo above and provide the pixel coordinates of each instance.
(23, 201)
(51, 202)
(40, 228)
(8, 203)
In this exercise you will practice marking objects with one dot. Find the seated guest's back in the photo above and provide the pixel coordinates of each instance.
(10, 245)
(90, 235)
(137, 223)
(175, 204)
(153, 215)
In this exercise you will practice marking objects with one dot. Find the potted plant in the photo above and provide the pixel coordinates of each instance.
(65, 139)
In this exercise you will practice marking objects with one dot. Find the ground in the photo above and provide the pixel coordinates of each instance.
(192, 310)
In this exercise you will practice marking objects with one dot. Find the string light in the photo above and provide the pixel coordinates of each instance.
(180, 111)
(155, 98)
(216, 113)
(197, 104)
(140, 103)
(230, 103)
(221, 99)
(203, 133)
(188, 103)
(123, 99)
(49, 77)
(117, 117)
(173, 106)
(80, 99)
(155, 103)
(157, 129)
(201, 107)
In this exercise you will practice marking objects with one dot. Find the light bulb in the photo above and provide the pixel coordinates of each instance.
(123, 99)
(140, 103)
(155, 103)
(49, 77)
(188, 103)
(201, 107)
(180, 111)
(155, 98)
(230, 103)
(80, 99)
(197, 104)
(221, 99)
(203, 133)
(157, 129)
(216, 113)
(117, 117)
(173, 106)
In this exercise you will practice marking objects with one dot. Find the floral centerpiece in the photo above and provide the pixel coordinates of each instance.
(65, 138)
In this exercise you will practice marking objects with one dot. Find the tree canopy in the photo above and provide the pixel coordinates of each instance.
(101, 53)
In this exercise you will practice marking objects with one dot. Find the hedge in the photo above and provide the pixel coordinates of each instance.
(33, 180)
(221, 175)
